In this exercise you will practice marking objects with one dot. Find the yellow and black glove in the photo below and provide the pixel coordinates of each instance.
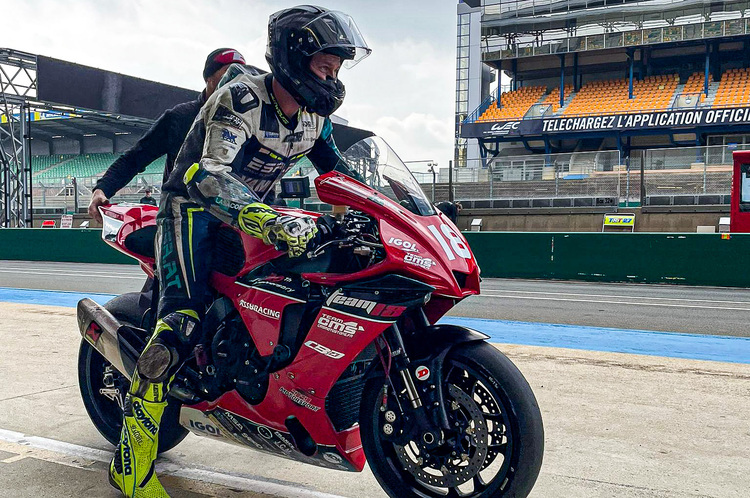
(284, 232)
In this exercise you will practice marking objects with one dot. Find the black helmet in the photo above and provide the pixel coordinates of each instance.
(294, 35)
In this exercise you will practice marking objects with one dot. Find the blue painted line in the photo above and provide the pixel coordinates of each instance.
(644, 342)
(49, 298)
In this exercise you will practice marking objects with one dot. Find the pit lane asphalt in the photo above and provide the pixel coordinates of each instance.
(616, 424)
(669, 308)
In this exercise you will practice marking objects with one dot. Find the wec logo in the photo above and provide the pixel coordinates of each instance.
(504, 128)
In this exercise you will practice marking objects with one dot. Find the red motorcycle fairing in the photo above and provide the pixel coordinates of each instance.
(261, 312)
(428, 248)
(136, 236)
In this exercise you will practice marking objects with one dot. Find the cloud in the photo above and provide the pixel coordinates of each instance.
(404, 91)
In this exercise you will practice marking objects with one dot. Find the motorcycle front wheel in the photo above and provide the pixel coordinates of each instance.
(493, 449)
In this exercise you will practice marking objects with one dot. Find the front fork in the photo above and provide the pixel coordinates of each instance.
(423, 416)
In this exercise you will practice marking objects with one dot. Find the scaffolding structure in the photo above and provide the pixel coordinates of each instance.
(17, 84)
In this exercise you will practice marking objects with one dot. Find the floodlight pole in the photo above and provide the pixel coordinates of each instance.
(432, 170)
(450, 181)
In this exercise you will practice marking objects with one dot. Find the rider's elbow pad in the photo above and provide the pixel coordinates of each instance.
(198, 183)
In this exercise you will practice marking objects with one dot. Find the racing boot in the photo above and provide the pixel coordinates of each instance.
(132, 467)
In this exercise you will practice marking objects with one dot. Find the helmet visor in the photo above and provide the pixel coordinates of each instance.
(337, 33)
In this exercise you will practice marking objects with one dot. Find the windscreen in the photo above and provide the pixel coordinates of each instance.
(380, 168)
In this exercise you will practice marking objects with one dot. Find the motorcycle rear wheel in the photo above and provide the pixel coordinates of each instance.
(96, 376)
(500, 433)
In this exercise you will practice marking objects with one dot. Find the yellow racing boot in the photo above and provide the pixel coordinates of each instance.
(132, 468)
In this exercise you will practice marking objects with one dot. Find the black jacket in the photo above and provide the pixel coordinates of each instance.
(164, 137)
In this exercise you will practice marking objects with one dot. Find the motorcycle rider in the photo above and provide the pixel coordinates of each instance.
(247, 135)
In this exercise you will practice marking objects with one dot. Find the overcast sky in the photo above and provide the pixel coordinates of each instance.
(405, 90)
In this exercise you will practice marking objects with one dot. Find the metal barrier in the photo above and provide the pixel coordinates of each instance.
(73, 194)
(667, 176)
(685, 171)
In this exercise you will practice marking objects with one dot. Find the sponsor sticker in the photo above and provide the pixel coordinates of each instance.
(93, 332)
(224, 115)
(265, 432)
(423, 373)
(338, 326)
(324, 350)
(293, 137)
(260, 310)
(416, 260)
(144, 418)
(278, 286)
(243, 98)
(299, 398)
(371, 307)
(228, 136)
(127, 463)
(406, 245)
(205, 428)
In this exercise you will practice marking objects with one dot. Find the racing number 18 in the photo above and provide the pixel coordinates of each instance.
(456, 247)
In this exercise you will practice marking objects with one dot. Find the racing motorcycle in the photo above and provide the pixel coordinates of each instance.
(334, 358)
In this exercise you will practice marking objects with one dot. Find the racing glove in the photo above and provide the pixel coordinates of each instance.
(284, 232)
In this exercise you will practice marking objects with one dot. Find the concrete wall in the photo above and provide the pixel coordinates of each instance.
(57, 244)
(692, 259)
(666, 219)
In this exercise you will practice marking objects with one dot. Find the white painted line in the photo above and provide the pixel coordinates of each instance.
(166, 468)
(83, 275)
(78, 269)
(594, 301)
(619, 296)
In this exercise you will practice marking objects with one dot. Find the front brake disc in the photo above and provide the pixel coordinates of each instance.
(453, 470)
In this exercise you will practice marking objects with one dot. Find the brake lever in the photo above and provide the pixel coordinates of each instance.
(319, 250)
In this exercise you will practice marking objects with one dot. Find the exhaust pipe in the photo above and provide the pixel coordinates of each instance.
(105, 333)
(112, 340)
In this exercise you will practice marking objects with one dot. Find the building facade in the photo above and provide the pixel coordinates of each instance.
(473, 78)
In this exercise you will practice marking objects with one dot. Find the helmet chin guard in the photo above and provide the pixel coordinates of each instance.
(294, 36)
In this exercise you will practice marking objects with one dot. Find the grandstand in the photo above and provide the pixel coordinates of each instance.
(82, 166)
(57, 139)
(610, 103)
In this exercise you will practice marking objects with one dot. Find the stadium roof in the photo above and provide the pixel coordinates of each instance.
(534, 15)
(68, 100)
(77, 127)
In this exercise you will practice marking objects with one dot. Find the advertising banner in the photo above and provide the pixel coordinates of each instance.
(667, 120)
(622, 220)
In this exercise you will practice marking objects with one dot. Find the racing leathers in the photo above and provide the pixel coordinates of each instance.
(239, 146)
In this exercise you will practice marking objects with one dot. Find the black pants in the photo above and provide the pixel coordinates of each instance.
(184, 245)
